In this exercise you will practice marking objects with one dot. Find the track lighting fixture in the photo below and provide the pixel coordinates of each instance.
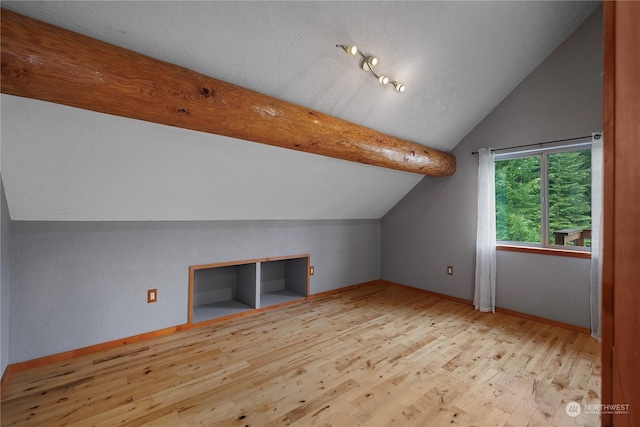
(368, 63)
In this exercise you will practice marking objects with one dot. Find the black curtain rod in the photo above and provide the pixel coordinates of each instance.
(537, 143)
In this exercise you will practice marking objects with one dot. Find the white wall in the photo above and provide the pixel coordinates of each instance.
(78, 284)
(435, 224)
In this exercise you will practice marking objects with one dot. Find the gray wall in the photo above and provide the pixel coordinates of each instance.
(78, 284)
(552, 287)
(435, 224)
(5, 278)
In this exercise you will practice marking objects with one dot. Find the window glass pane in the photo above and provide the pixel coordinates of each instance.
(570, 198)
(518, 200)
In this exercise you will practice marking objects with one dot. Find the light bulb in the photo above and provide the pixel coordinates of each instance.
(368, 63)
(383, 79)
(351, 49)
(399, 87)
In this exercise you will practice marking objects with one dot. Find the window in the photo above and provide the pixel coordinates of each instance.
(544, 198)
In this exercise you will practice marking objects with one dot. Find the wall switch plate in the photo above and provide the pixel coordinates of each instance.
(152, 295)
(450, 270)
(311, 270)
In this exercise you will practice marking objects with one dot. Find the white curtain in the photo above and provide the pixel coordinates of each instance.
(485, 293)
(596, 233)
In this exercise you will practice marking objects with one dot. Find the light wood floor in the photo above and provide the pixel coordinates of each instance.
(378, 355)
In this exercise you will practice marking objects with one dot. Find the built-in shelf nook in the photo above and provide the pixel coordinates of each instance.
(228, 288)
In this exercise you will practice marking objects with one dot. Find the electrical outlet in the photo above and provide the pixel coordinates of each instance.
(311, 270)
(152, 295)
(450, 270)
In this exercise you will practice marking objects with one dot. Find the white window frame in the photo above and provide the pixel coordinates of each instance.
(543, 153)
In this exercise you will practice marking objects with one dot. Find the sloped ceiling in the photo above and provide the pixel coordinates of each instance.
(457, 59)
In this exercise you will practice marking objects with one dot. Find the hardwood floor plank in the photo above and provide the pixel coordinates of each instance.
(376, 355)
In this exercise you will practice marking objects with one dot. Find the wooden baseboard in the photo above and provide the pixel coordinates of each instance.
(568, 326)
(552, 322)
(45, 360)
(341, 290)
(430, 293)
(271, 307)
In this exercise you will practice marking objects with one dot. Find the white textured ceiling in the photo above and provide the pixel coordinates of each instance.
(457, 59)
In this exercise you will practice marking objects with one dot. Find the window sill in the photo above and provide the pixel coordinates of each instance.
(544, 251)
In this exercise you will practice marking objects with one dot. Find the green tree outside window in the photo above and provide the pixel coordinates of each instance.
(521, 191)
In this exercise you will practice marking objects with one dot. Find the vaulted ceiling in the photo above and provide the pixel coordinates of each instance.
(457, 59)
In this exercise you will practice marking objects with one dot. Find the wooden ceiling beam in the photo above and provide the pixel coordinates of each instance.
(48, 63)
